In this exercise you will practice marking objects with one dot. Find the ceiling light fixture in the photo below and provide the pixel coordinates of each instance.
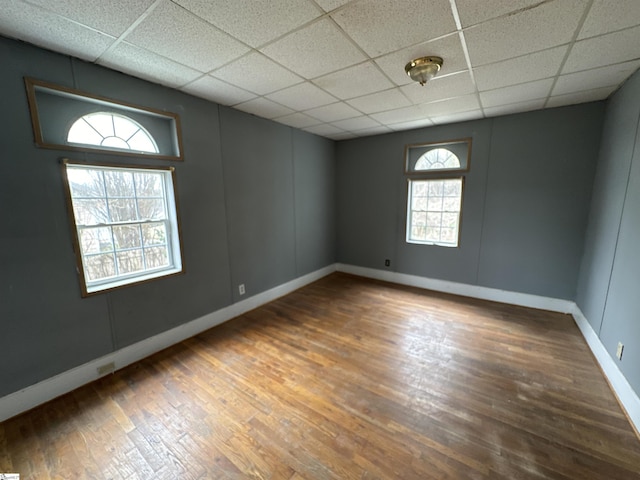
(423, 69)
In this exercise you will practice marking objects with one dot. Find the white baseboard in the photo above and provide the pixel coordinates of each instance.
(463, 289)
(34, 395)
(625, 393)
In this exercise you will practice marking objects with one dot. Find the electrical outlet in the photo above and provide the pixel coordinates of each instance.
(619, 350)
(387, 263)
(107, 368)
(241, 289)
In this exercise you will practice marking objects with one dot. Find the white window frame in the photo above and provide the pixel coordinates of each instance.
(172, 228)
(413, 155)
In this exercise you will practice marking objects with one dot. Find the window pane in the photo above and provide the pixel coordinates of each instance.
(102, 122)
(151, 209)
(130, 261)
(115, 142)
(82, 132)
(90, 212)
(96, 240)
(154, 234)
(125, 128)
(157, 257)
(119, 184)
(98, 267)
(126, 236)
(141, 141)
(148, 184)
(451, 204)
(435, 204)
(123, 210)
(86, 183)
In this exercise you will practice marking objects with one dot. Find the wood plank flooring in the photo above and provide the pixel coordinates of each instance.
(346, 378)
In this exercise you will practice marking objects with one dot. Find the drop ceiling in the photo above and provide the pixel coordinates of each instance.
(336, 67)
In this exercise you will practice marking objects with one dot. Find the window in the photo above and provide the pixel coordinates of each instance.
(111, 130)
(434, 200)
(126, 224)
(67, 119)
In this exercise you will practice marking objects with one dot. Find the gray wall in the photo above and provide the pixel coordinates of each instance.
(526, 201)
(257, 201)
(609, 283)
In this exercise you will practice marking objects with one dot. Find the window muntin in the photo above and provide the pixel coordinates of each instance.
(110, 130)
(433, 211)
(126, 224)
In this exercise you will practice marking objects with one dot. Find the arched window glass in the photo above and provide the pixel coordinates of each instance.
(437, 159)
(105, 129)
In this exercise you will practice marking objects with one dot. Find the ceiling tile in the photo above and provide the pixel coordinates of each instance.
(194, 42)
(440, 88)
(608, 16)
(516, 93)
(424, 122)
(303, 96)
(515, 108)
(255, 22)
(354, 81)
(548, 25)
(343, 136)
(605, 50)
(534, 66)
(333, 112)
(144, 64)
(452, 105)
(580, 97)
(398, 115)
(609, 76)
(381, 101)
(297, 120)
(473, 12)
(379, 130)
(328, 5)
(449, 48)
(112, 17)
(315, 50)
(357, 123)
(257, 73)
(40, 27)
(324, 130)
(457, 117)
(264, 107)
(382, 26)
(217, 91)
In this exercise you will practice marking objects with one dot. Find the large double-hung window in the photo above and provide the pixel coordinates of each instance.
(126, 223)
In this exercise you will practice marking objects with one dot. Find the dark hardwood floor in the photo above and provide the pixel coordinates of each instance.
(346, 378)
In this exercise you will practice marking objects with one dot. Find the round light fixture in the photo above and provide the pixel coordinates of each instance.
(423, 69)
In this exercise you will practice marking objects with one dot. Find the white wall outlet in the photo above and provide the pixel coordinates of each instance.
(619, 350)
(241, 289)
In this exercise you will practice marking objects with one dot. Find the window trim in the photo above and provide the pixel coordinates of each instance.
(33, 85)
(465, 161)
(144, 277)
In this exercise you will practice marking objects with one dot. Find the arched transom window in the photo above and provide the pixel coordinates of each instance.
(111, 130)
(437, 159)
